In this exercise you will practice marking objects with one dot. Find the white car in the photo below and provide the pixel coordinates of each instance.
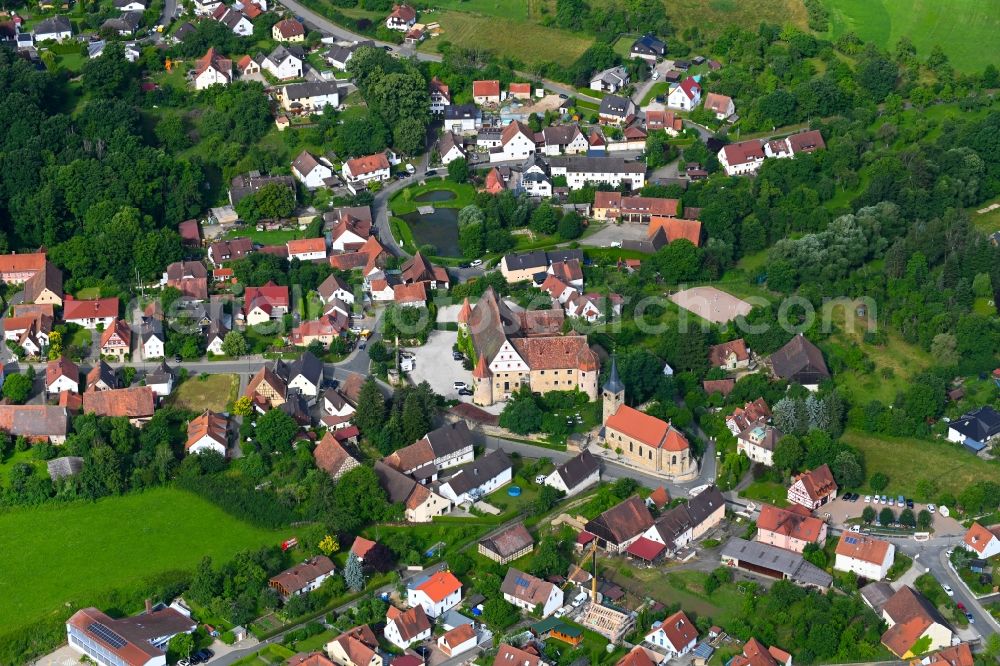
(931, 508)
(855, 528)
(947, 590)
(476, 263)
(868, 499)
(459, 386)
(656, 75)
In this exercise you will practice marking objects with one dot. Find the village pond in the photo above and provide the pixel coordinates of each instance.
(438, 228)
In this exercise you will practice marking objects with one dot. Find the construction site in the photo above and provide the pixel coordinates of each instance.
(606, 620)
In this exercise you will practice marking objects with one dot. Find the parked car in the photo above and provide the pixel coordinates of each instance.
(868, 499)
(968, 616)
(465, 392)
(563, 96)
(431, 172)
(362, 344)
(901, 501)
(855, 528)
(961, 606)
(947, 590)
(656, 75)
(885, 500)
(931, 508)
(459, 386)
(475, 263)
(458, 356)
(909, 504)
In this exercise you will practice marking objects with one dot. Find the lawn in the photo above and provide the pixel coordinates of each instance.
(70, 556)
(88, 293)
(989, 221)
(506, 36)
(767, 491)
(404, 201)
(657, 89)
(683, 587)
(27, 457)
(713, 16)
(276, 237)
(269, 656)
(961, 27)
(199, 393)
(907, 460)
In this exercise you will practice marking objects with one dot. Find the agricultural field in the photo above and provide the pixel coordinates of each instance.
(907, 460)
(962, 28)
(213, 392)
(114, 543)
(712, 16)
(506, 36)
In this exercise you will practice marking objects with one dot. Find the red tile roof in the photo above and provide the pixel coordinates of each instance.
(494, 182)
(360, 166)
(636, 657)
(61, 367)
(978, 537)
(690, 87)
(717, 354)
(864, 548)
(818, 483)
(440, 585)
(486, 88)
(22, 263)
(289, 28)
(134, 403)
(306, 245)
(208, 424)
(520, 88)
(99, 308)
(743, 152)
(649, 430)
(646, 549)
(790, 523)
(404, 13)
(675, 228)
(410, 293)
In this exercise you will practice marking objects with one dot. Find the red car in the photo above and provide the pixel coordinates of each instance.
(961, 606)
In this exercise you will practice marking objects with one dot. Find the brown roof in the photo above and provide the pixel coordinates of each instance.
(189, 230)
(130, 639)
(294, 579)
(527, 588)
(717, 354)
(743, 152)
(656, 120)
(750, 413)
(214, 60)
(510, 541)
(818, 483)
(568, 270)
(675, 228)
(723, 386)
(410, 293)
(806, 142)
(649, 206)
(649, 430)
(49, 277)
(119, 329)
(956, 655)
(61, 367)
(361, 546)
(266, 375)
(978, 537)
(553, 353)
(459, 635)
(488, 322)
(637, 656)
(800, 361)
(359, 644)
(513, 129)
(98, 308)
(351, 386)
(754, 654)
(790, 523)
(411, 457)
(508, 655)
(368, 164)
(622, 521)
(34, 420)
(403, 12)
(864, 548)
(22, 263)
(679, 629)
(911, 614)
(541, 322)
(136, 402)
(411, 622)
(289, 28)
(718, 103)
(309, 659)
(304, 245)
(209, 424)
(607, 199)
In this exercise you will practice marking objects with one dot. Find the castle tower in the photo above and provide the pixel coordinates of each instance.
(482, 383)
(463, 316)
(612, 393)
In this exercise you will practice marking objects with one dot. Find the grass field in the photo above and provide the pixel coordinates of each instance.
(906, 461)
(712, 16)
(963, 28)
(767, 491)
(200, 393)
(506, 36)
(113, 543)
(27, 457)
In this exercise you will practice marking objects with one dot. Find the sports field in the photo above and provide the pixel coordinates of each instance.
(966, 29)
(63, 557)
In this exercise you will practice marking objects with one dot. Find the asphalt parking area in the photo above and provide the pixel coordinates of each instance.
(840, 511)
(434, 365)
(615, 233)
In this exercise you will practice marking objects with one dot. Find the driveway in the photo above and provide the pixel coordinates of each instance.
(616, 233)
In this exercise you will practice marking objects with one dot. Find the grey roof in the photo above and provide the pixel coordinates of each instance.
(461, 112)
(34, 420)
(648, 44)
(161, 374)
(282, 53)
(248, 183)
(790, 564)
(311, 89)
(479, 472)
(584, 164)
(560, 135)
(527, 260)
(704, 504)
(447, 141)
(397, 485)
(187, 28)
(876, 594)
(564, 255)
(614, 383)
(512, 540)
(613, 105)
(576, 469)
(151, 327)
(979, 425)
(449, 439)
(308, 366)
(613, 75)
(60, 468)
(621, 522)
(129, 22)
(53, 25)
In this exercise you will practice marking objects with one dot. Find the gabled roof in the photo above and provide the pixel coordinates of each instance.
(525, 587)
(134, 403)
(512, 540)
(410, 623)
(61, 367)
(439, 586)
(368, 164)
(207, 424)
(102, 373)
(299, 576)
(806, 142)
(818, 483)
(800, 361)
(978, 537)
(717, 354)
(289, 28)
(956, 655)
(679, 629)
(978, 425)
(864, 548)
(637, 656)
(622, 521)
(404, 13)
(489, 88)
(359, 644)
(477, 473)
(743, 152)
(330, 455)
(130, 639)
(576, 469)
(649, 430)
(790, 522)
(34, 420)
(911, 614)
(508, 655)
(718, 103)
(49, 277)
(690, 87)
(97, 309)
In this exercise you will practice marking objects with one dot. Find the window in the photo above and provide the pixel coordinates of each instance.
(630, 447)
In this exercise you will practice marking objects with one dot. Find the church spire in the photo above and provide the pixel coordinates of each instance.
(614, 383)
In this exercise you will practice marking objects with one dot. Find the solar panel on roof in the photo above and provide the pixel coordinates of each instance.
(521, 582)
(851, 540)
(106, 635)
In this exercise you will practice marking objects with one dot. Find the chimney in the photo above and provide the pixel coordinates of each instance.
(149, 606)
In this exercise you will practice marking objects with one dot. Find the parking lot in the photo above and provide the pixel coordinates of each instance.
(433, 364)
(616, 233)
(841, 511)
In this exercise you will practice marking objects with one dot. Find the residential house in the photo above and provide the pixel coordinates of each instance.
(667, 121)
(463, 118)
(530, 593)
(792, 529)
(984, 541)
(239, 187)
(410, 295)
(325, 329)
(116, 341)
(676, 635)
(233, 19)
(755, 654)
(449, 148)
(956, 655)
(648, 48)
(190, 277)
(201, 8)
(535, 180)
(619, 526)
(261, 304)
(62, 374)
(610, 80)
(616, 110)
(442, 448)
(486, 92)
(125, 25)
(284, 62)
(153, 339)
(458, 641)
(677, 527)
(307, 249)
(581, 170)
(312, 173)
(644, 440)
(136, 404)
(517, 142)
(731, 356)
(814, 488)
(721, 105)
(18, 268)
(508, 655)
(141, 640)
(45, 287)
(436, 593)
(639, 656)
(302, 578)
(404, 628)
(334, 288)
(331, 457)
(526, 265)
(686, 96)
(769, 561)
(520, 91)
(101, 377)
(576, 474)
(268, 388)
(402, 18)
(350, 234)
(976, 429)
(355, 647)
(494, 182)
(912, 617)
(129, 5)
(800, 361)
(803, 142)
(364, 170)
(288, 30)
(510, 544)
(336, 405)
(311, 97)
(440, 95)
(90, 314)
(215, 336)
(230, 250)
(563, 139)
(421, 503)
(36, 423)
(55, 29)
(526, 349)
(340, 54)
(743, 158)
(309, 659)
(208, 432)
(593, 307)
(750, 414)
(478, 479)
(160, 378)
(419, 270)
(758, 443)
(866, 556)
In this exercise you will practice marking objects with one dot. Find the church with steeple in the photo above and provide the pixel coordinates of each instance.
(641, 439)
